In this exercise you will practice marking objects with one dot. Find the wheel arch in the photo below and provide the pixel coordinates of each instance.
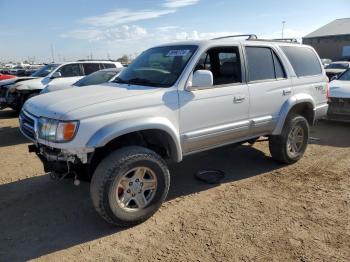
(302, 104)
(149, 132)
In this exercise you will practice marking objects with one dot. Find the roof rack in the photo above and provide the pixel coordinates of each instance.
(250, 37)
(292, 40)
(95, 60)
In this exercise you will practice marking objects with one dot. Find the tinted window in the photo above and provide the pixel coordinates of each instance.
(303, 60)
(45, 70)
(279, 71)
(70, 70)
(96, 78)
(260, 63)
(90, 68)
(109, 65)
(224, 63)
(345, 76)
(338, 66)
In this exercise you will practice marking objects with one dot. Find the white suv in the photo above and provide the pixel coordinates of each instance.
(172, 101)
(54, 75)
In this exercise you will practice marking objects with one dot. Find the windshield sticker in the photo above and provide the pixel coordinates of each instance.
(178, 53)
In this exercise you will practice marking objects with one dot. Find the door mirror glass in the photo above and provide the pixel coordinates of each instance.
(56, 75)
(201, 79)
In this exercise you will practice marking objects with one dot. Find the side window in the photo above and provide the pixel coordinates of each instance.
(279, 70)
(70, 70)
(260, 63)
(90, 68)
(224, 63)
(304, 60)
(109, 65)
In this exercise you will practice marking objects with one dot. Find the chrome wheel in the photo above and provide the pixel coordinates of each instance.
(295, 141)
(136, 189)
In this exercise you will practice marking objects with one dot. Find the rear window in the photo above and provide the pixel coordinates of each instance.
(304, 60)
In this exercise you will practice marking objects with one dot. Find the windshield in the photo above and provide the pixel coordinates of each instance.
(338, 66)
(159, 66)
(345, 76)
(96, 78)
(18, 67)
(45, 70)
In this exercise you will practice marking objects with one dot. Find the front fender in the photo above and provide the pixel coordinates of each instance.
(115, 130)
(288, 105)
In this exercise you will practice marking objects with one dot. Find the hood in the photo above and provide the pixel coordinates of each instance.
(53, 88)
(340, 89)
(57, 104)
(33, 84)
(15, 80)
(335, 71)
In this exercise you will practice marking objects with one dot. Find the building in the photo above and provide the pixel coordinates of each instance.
(331, 41)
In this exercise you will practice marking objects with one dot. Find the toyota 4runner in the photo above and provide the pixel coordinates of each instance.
(172, 101)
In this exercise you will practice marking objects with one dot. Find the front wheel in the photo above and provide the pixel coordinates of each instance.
(290, 145)
(129, 185)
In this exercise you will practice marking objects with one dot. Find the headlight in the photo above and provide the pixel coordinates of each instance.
(57, 131)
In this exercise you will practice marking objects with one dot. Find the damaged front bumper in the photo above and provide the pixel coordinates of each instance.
(62, 161)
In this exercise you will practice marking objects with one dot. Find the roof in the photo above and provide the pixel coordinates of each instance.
(336, 27)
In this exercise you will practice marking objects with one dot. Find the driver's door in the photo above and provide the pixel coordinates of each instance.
(70, 74)
(219, 114)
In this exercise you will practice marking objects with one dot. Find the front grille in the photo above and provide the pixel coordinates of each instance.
(339, 106)
(27, 124)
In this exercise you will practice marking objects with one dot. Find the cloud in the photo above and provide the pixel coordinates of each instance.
(121, 33)
(195, 35)
(167, 28)
(179, 3)
(123, 16)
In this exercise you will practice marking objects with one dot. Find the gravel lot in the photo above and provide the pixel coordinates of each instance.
(262, 211)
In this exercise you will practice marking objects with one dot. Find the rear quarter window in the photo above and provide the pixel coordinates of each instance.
(303, 60)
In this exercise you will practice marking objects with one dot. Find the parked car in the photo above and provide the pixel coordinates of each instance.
(96, 78)
(336, 68)
(4, 77)
(175, 100)
(339, 98)
(57, 75)
(17, 71)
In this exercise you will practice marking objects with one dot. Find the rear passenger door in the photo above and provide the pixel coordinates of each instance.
(90, 68)
(268, 86)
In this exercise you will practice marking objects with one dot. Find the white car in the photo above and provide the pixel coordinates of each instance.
(339, 98)
(57, 75)
(175, 100)
(96, 78)
(336, 68)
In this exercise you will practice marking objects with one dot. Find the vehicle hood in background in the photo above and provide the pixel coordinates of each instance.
(57, 104)
(340, 89)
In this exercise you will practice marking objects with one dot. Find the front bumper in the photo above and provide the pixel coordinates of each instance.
(59, 161)
(339, 109)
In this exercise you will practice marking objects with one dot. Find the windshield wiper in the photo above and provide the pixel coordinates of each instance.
(138, 81)
(120, 81)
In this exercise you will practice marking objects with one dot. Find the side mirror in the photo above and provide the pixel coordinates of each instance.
(56, 75)
(202, 79)
(334, 78)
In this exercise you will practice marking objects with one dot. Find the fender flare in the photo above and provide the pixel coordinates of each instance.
(114, 130)
(287, 106)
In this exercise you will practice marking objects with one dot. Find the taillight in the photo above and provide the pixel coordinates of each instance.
(328, 93)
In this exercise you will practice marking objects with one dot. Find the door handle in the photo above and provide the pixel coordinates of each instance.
(238, 99)
(287, 92)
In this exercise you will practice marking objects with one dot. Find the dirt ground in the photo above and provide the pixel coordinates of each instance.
(262, 211)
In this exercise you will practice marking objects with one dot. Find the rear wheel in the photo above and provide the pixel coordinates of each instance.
(129, 186)
(290, 145)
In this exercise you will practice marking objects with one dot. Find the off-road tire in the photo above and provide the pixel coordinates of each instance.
(278, 144)
(113, 167)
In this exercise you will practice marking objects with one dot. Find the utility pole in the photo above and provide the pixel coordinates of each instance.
(283, 23)
(52, 53)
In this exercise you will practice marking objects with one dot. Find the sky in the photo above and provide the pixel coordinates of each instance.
(78, 29)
